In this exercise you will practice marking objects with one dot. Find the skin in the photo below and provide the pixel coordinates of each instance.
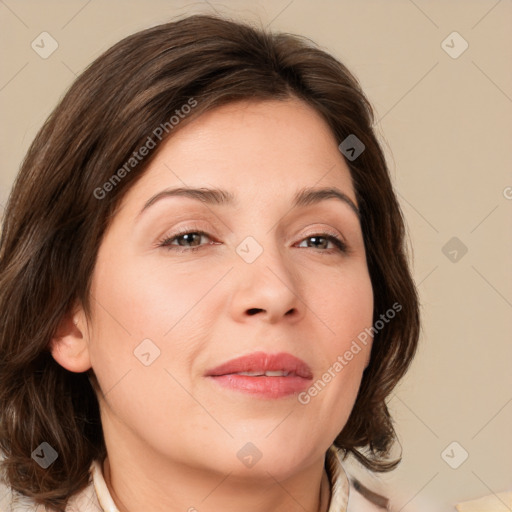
(172, 435)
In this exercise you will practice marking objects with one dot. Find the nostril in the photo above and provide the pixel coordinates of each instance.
(253, 311)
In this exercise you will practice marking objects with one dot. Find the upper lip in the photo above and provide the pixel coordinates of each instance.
(261, 361)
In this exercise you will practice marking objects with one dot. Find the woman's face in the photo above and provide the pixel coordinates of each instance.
(169, 307)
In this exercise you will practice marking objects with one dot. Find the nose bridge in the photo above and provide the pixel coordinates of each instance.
(266, 282)
(265, 257)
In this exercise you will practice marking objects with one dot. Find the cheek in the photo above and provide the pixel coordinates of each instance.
(136, 302)
(345, 304)
(346, 310)
(144, 340)
(353, 323)
(152, 321)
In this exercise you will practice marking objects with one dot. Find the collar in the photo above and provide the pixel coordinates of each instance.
(337, 478)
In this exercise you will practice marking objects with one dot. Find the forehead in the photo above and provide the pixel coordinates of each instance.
(261, 149)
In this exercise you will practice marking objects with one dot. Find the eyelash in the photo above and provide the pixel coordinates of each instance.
(340, 245)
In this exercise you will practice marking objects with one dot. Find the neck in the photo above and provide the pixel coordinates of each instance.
(143, 485)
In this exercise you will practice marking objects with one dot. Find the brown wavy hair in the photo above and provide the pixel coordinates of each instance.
(55, 220)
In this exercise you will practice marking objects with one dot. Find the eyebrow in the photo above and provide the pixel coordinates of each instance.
(216, 196)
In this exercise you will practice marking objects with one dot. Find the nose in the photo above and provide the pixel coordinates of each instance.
(268, 289)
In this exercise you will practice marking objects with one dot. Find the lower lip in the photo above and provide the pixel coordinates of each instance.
(265, 387)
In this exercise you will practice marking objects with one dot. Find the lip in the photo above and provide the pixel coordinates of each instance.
(297, 380)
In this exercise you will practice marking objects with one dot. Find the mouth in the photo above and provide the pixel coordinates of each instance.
(277, 373)
(259, 364)
(265, 375)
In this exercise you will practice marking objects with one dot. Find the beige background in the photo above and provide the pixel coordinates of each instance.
(447, 129)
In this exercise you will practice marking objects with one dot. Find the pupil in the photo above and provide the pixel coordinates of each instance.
(187, 238)
(315, 239)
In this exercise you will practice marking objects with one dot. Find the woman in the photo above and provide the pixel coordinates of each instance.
(205, 294)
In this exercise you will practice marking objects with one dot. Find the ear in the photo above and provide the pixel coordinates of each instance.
(69, 345)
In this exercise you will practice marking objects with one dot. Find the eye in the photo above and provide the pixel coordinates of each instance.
(184, 240)
(322, 240)
(190, 240)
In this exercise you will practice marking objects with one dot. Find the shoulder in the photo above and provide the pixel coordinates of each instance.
(363, 499)
(13, 501)
(348, 492)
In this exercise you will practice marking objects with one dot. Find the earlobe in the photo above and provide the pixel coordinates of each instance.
(69, 345)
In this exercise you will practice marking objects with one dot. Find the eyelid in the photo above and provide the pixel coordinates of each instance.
(326, 231)
(332, 235)
(335, 237)
(325, 228)
(180, 231)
